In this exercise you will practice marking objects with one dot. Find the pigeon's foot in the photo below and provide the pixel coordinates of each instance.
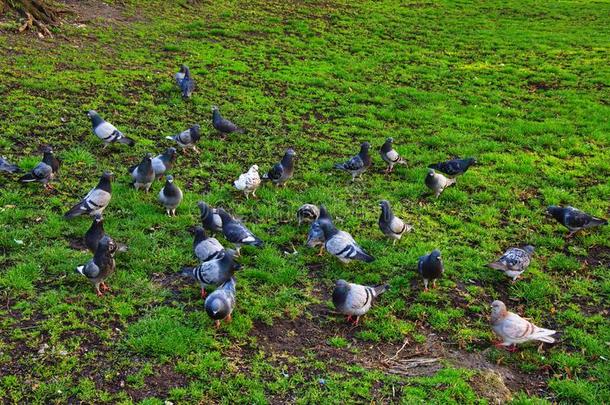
(356, 321)
(229, 318)
(512, 348)
(203, 293)
(321, 251)
(349, 318)
(217, 324)
(104, 287)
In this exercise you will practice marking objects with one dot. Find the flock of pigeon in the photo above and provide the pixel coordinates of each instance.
(218, 266)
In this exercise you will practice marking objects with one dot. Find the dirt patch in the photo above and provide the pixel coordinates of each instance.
(598, 256)
(89, 11)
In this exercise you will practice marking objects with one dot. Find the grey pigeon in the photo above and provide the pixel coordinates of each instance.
(315, 237)
(437, 182)
(281, 172)
(514, 261)
(223, 125)
(170, 196)
(430, 267)
(164, 162)
(106, 131)
(220, 303)
(307, 213)
(96, 201)
(357, 164)
(390, 156)
(454, 167)
(6, 166)
(44, 171)
(213, 272)
(209, 217)
(391, 226)
(341, 244)
(355, 300)
(236, 232)
(574, 219)
(101, 266)
(143, 174)
(513, 330)
(187, 84)
(187, 138)
(206, 248)
(95, 233)
(180, 75)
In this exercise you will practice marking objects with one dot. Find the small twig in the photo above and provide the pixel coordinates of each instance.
(399, 350)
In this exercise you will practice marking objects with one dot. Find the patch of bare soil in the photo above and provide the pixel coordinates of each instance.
(598, 256)
(90, 11)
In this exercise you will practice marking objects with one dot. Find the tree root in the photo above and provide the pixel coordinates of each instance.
(39, 14)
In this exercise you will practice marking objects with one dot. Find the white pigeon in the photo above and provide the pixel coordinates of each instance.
(513, 329)
(248, 182)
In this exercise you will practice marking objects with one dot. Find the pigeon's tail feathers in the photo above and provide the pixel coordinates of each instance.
(380, 289)
(434, 166)
(171, 138)
(187, 272)
(544, 335)
(126, 141)
(365, 257)
(240, 131)
(258, 243)
(339, 166)
(265, 176)
(497, 266)
(26, 178)
(451, 181)
(599, 222)
(74, 211)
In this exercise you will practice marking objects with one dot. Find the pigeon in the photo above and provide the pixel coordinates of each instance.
(390, 156)
(248, 182)
(187, 138)
(223, 125)
(437, 182)
(391, 226)
(315, 237)
(187, 84)
(101, 266)
(95, 233)
(96, 201)
(341, 244)
(213, 272)
(281, 172)
(514, 261)
(574, 219)
(206, 248)
(209, 217)
(357, 164)
(307, 213)
(430, 267)
(6, 166)
(44, 171)
(143, 174)
(219, 304)
(355, 300)
(454, 167)
(236, 232)
(164, 162)
(180, 75)
(513, 329)
(170, 196)
(107, 132)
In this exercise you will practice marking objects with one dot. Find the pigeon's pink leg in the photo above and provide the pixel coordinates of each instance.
(228, 318)
(217, 324)
(512, 348)
(349, 318)
(321, 250)
(356, 321)
(203, 293)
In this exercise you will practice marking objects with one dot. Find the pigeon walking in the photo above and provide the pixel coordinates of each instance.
(44, 171)
(209, 217)
(101, 266)
(248, 182)
(206, 248)
(188, 138)
(390, 156)
(454, 167)
(164, 162)
(437, 182)
(180, 75)
(574, 219)
(223, 125)
(391, 226)
(341, 244)
(213, 272)
(95, 233)
(6, 166)
(96, 201)
(307, 213)
(514, 261)
(187, 84)
(219, 304)
(357, 164)
(236, 232)
(170, 196)
(143, 174)
(513, 330)
(281, 172)
(107, 132)
(430, 267)
(355, 300)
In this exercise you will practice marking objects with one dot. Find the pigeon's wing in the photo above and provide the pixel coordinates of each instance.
(90, 270)
(42, 171)
(516, 328)
(515, 259)
(184, 137)
(393, 156)
(397, 225)
(227, 126)
(96, 199)
(275, 173)
(236, 232)
(577, 219)
(355, 163)
(107, 132)
(359, 297)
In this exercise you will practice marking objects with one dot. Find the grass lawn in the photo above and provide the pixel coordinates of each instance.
(523, 86)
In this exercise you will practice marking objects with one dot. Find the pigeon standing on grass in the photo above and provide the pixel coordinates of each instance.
(454, 167)
(143, 174)
(101, 266)
(355, 300)
(96, 201)
(164, 162)
(281, 172)
(170, 196)
(180, 75)
(213, 272)
(514, 261)
(95, 233)
(209, 217)
(106, 131)
(390, 156)
(219, 304)
(307, 213)
(187, 84)
(223, 125)
(187, 138)
(437, 182)
(44, 171)
(357, 164)
(513, 329)
(341, 244)
(6, 166)
(206, 248)
(574, 219)
(248, 182)
(236, 232)
(391, 226)
(430, 267)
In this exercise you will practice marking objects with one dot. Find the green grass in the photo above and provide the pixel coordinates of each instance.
(520, 85)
